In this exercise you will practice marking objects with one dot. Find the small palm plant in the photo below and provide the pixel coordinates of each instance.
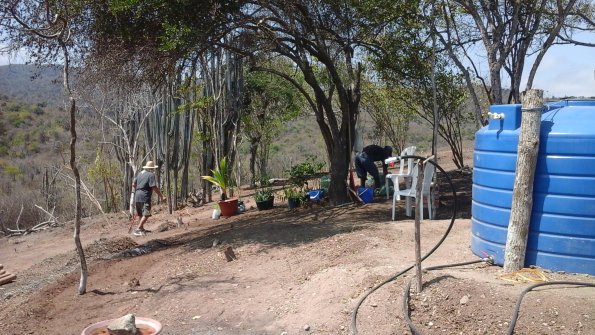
(220, 177)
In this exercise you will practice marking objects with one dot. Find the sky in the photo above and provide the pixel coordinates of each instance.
(565, 70)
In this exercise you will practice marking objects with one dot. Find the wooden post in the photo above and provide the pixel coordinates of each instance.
(418, 216)
(522, 195)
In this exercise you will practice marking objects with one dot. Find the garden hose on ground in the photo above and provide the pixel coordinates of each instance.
(515, 313)
(410, 323)
(395, 276)
(488, 260)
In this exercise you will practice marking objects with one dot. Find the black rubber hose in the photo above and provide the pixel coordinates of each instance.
(517, 307)
(410, 323)
(397, 275)
(515, 312)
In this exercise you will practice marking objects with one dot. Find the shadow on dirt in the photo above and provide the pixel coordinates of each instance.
(281, 226)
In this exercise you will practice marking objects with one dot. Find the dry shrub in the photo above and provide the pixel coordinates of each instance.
(10, 207)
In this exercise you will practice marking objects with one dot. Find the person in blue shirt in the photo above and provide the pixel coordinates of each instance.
(364, 163)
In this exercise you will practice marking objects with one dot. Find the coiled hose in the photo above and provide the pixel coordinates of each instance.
(397, 275)
(488, 260)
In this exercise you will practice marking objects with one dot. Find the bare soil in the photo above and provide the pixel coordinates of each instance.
(296, 272)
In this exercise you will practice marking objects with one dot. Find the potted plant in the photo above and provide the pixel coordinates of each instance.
(298, 177)
(222, 178)
(264, 198)
(295, 196)
(264, 195)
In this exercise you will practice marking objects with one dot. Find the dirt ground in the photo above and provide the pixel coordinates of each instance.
(295, 272)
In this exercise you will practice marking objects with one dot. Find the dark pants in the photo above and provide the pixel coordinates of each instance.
(143, 209)
(363, 166)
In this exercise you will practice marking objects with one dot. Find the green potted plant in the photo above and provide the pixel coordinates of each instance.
(295, 196)
(299, 175)
(222, 178)
(264, 198)
(264, 195)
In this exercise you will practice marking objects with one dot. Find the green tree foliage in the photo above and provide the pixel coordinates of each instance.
(326, 41)
(451, 95)
(271, 101)
(390, 111)
(148, 38)
(103, 171)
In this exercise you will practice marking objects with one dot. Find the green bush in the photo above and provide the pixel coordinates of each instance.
(300, 173)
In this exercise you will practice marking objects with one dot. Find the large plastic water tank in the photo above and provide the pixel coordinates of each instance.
(562, 228)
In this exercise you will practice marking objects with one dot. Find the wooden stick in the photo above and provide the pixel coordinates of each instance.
(418, 215)
(19, 217)
(7, 279)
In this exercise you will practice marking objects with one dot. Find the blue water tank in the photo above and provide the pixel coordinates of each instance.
(562, 229)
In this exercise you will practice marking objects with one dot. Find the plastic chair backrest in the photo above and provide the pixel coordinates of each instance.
(407, 152)
(428, 177)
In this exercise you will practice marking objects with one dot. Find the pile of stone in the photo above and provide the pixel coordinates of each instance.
(125, 325)
(6, 277)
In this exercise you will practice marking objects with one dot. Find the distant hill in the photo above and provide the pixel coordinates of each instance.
(32, 84)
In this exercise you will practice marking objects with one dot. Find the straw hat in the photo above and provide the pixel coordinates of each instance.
(150, 165)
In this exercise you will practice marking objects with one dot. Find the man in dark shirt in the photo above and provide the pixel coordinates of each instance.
(364, 163)
(143, 186)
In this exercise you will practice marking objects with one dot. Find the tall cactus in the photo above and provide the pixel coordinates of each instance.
(169, 132)
(222, 75)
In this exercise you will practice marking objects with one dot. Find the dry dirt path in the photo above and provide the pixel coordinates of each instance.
(296, 272)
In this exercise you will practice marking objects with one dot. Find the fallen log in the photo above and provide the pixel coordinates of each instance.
(7, 278)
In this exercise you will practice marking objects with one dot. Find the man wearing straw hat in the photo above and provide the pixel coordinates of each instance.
(143, 186)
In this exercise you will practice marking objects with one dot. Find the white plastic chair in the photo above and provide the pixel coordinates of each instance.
(394, 177)
(426, 191)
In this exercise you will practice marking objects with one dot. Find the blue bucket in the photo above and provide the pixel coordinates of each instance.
(366, 194)
(316, 195)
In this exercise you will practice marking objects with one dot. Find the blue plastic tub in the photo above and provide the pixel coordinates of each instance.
(366, 194)
(316, 195)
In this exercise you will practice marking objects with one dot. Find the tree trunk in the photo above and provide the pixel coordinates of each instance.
(522, 195)
(253, 149)
(339, 166)
(75, 172)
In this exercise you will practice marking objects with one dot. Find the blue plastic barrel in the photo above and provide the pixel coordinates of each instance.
(366, 194)
(562, 228)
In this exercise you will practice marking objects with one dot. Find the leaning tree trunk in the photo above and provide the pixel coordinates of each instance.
(77, 178)
(522, 195)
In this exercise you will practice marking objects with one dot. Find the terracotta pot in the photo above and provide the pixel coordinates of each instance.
(264, 205)
(228, 207)
(139, 321)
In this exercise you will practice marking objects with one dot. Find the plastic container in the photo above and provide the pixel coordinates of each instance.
(366, 194)
(562, 228)
(325, 183)
(316, 195)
